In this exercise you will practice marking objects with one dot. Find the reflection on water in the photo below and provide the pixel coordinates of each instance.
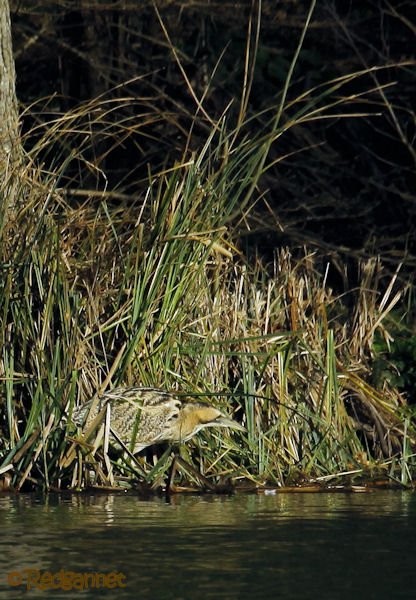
(279, 546)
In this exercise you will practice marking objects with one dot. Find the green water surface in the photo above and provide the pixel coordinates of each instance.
(282, 546)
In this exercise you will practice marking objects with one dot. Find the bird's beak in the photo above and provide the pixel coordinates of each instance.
(226, 422)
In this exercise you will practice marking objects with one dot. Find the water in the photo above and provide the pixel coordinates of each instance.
(284, 546)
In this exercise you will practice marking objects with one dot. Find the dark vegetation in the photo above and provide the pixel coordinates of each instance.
(219, 198)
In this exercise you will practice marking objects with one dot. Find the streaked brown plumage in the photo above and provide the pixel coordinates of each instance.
(141, 417)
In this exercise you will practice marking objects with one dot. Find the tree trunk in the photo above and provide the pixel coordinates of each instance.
(10, 144)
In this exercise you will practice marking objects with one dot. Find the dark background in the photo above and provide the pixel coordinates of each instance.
(342, 185)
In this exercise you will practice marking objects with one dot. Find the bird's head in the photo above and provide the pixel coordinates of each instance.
(196, 416)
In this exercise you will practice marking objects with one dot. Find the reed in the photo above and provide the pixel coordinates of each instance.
(163, 298)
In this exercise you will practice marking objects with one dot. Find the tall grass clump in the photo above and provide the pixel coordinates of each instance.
(158, 294)
(100, 289)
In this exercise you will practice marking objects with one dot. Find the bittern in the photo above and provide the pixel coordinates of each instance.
(141, 417)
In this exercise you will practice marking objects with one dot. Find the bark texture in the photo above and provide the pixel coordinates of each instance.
(10, 146)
